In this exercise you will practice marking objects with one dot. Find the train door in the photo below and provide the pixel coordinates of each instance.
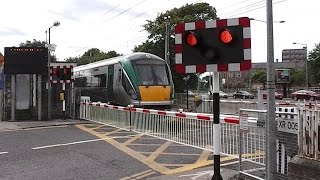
(117, 84)
(110, 93)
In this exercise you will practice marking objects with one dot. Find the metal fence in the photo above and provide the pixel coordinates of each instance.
(241, 135)
(309, 132)
(187, 128)
(252, 144)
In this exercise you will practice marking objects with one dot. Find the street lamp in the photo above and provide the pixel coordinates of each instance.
(56, 23)
(266, 21)
(307, 74)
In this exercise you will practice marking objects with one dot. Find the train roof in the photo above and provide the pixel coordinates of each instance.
(105, 62)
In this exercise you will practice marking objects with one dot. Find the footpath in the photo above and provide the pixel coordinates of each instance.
(19, 125)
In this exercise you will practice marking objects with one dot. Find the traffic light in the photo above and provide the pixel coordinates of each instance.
(213, 46)
(64, 73)
(221, 42)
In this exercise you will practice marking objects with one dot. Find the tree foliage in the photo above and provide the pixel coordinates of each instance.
(92, 55)
(314, 64)
(33, 43)
(36, 43)
(297, 77)
(157, 32)
(260, 76)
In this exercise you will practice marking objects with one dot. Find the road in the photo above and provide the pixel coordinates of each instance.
(53, 153)
(94, 151)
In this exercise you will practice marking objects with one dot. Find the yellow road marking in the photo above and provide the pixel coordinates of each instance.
(169, 165)
(98, 127)
(108, 133)
(123, 132)
(156, 153)
(152, 164)
(132, 139)
(145, 175)
(138, 174)
(168, 153)
(149, 161)
(204, 156)
(145, 144)
(34, 128)
(198, 165)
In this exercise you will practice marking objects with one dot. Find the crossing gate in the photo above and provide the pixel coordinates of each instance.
(252, 144)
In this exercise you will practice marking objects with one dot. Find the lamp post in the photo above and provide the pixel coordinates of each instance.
(56, 23)
(266, 21)
(307, 74)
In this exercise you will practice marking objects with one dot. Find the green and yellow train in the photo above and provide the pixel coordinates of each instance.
(138, 79)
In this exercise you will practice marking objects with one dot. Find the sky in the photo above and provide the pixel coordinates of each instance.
(117, 25)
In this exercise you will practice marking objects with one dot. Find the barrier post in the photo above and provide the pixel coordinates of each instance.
(216, 127)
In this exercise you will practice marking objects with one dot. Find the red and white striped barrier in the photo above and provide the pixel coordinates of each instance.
(231, 119)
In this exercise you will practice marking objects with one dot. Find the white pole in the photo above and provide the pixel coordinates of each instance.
(216, 126)
(64, 99)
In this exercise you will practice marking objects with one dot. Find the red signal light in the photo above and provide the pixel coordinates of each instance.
(192, 39)
(54, 71)
(226, 36)
(65, 71)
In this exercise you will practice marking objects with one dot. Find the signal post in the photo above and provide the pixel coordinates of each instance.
(213, 46)
(62, 74)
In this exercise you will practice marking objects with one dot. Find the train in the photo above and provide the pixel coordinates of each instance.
(139, 79)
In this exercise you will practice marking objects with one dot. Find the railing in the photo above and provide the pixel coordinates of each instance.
(192, 129)
(309, 132)
(196, 129)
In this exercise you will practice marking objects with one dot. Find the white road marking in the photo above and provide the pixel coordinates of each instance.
(79, 142)
(3, 153)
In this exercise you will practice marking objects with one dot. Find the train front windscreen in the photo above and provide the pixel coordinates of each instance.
(153, 78)
(151, 72)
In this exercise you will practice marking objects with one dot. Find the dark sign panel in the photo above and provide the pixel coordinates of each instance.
(25, 60)
(282, 75)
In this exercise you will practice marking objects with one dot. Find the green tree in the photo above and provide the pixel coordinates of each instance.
(36, 43)
(92, 55)
(156, 29)
(297, 77)
(260, 76)
(314, 64)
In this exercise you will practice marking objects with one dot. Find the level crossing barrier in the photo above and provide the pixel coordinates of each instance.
(195, 129)
(191, 129)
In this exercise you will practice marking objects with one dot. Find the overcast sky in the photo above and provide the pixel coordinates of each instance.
(116, 25)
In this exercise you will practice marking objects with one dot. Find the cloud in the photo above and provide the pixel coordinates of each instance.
(79, 9)
(8, 31)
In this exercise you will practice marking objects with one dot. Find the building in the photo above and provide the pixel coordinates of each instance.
(294, 55)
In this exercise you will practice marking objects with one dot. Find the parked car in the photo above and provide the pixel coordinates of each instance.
(223, 94)
(305, 94)
(243, 95)
(276, 95)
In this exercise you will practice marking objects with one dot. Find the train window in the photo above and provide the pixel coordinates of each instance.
(88, 84)
(119, 75)
(94, 81)
(128, 87)
(80, 82)
(102, 80)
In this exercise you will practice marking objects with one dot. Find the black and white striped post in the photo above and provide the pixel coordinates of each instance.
(216, 127)
(64, 99)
